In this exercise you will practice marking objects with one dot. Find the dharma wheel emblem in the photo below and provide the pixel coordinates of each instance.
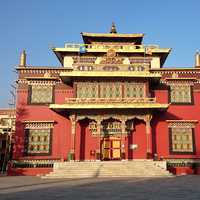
(111, 58)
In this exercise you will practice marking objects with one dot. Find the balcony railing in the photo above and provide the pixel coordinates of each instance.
(109, 100)
(108, 46)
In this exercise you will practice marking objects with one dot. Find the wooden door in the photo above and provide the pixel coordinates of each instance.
(111, 149)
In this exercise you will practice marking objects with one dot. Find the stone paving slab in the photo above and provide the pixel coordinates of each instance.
(31, 188)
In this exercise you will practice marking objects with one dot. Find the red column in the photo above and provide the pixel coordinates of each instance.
(149, 137)
(73, 135)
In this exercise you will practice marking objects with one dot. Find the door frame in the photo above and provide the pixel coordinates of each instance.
(110, 139)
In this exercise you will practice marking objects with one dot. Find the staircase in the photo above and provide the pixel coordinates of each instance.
(147, 168)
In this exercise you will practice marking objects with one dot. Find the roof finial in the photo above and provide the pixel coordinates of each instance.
(113, 28)
(197, 59)
(23, 59)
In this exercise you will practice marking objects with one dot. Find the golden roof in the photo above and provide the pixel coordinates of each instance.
(123, 35)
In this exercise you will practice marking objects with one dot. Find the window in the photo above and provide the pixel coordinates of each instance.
(110, 90)
(107, 90)
(5, 122)
(87, 90)
(180, 94)
(182, 141)
(39, 94)
(134, 90)
(38, 141)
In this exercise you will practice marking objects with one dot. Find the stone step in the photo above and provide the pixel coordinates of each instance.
(109, 169)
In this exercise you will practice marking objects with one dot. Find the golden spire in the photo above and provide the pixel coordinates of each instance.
(113, 28)
(23, 59)
(197, 59)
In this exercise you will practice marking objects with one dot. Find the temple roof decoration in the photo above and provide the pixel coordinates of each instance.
(111, 58)
(134, 38)
(102, 48)
(113, 28)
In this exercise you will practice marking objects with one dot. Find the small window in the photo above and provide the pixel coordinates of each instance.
(181, 140)
(40, 94)
(181, 94)
(34, 142)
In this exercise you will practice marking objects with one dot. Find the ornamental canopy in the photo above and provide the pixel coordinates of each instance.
(101, 103)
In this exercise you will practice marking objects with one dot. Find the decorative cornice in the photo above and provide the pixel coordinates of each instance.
(41, 78)
(176, 70)
(144, 74)
(182, 123)
(42, 70)
(78, 106)
(38, 124)
(41, 82)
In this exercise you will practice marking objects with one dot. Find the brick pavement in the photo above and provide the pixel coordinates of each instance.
(31, 188)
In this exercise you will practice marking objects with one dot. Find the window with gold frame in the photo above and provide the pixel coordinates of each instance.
(87, 90)
(110, 90)
(181, 140)
(38, 141)
(41, 94)
(180, 94)
(134, 90)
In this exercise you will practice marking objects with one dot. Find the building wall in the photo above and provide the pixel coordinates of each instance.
(62, 127)
(61, 130)
(174, 112)
(137, 137)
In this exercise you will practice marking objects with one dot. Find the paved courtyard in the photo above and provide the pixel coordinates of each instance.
(23, 188)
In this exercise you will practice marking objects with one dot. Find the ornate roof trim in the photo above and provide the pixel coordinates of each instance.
(42, 78)
(124, 35)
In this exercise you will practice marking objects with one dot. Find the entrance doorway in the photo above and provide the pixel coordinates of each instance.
(111, 148)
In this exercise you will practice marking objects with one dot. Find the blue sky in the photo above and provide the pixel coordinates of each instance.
(35, 25)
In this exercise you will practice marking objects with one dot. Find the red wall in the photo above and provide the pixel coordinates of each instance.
(85, 142)
(138, 137)
(61, 131)
(28, 171)
(174, 112)
(61, 138)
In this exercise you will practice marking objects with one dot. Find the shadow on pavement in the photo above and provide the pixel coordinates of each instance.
(185, 187)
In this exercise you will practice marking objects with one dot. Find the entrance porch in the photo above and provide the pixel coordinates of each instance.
(111, 137)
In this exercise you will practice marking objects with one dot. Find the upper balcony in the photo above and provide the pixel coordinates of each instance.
(109, 103)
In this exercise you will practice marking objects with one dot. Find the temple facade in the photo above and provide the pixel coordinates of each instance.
(111, 99)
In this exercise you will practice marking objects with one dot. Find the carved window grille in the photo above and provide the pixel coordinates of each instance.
(134, 90)
(111, 128)
(181, 140)
(180, 94)
(93, 127)
(39, 94)
(84, 59)
(110, 90)
(87, 90)
(38, 141)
